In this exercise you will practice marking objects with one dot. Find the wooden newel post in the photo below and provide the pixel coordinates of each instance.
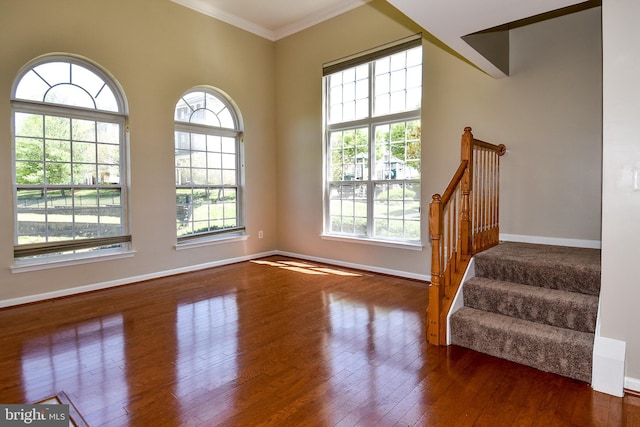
(466, 232)
(436, 293)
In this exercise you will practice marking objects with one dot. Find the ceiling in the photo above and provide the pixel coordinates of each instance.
(272, 19)
(447, 20)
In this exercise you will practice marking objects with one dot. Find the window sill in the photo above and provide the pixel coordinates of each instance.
(413, 246)
(23, 266)
(208, 241)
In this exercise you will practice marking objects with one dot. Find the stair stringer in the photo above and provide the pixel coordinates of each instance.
(458, 300)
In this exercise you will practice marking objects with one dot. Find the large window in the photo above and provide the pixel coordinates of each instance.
(69, 159)
(372, 151)
(208, 165)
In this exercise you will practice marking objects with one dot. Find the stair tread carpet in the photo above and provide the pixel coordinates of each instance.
(554, 267)
(543, 305)
(548, 348)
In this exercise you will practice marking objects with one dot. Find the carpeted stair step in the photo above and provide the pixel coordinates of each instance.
(568, 310)
(553, 267)
(548, 348)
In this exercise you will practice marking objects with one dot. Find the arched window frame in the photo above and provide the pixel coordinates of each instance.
(106, 118)
(224, 217)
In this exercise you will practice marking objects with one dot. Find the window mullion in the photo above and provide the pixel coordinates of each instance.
(372, 152)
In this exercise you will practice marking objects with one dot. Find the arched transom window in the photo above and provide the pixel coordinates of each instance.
(208, 162)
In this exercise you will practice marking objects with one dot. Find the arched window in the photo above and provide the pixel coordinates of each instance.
(69, 154)
(208, 161)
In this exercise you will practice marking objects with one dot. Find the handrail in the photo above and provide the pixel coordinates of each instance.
(462, 222)
(457, 177)
(500, 149)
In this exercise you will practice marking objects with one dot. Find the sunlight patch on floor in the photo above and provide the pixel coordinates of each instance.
(306, 268)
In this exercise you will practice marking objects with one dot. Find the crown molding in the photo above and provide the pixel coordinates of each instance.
(206, 8)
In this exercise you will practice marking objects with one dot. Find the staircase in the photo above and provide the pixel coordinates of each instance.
(532, 304)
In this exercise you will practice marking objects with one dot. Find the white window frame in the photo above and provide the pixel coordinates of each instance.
(51, 253)
(369, 123)
(234, 132)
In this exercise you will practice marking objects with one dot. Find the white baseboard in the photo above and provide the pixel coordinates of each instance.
(373, 269)
(608, 366)
(127, 280)
(555, 241)
(632, 384)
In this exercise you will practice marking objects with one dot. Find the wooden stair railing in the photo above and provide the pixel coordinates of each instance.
(462, 221)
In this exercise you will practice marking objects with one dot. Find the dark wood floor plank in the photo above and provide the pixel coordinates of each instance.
(275, 342)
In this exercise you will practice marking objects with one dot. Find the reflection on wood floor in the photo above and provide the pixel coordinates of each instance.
(274, 342)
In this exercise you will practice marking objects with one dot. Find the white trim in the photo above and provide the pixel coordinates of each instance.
(458, 299)
(367, 241)
(207, 8)
(22, 266)
(555, 241)
(607, 374)
(127, 280)
(324, 15)
(398, 273)
(208, 241)
(632, 384)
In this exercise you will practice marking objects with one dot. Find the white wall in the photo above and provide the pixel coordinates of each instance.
(620, 292)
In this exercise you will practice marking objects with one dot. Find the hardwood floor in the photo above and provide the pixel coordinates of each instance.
(275, 342)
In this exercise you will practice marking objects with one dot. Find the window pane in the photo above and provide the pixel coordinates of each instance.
(57, 127)
(214, 160)
(199, 176)
(228, 145)
(184, 210)
(108, 174)
(84, 174)
(198, 142)
(58, 173)
(349, 155)
(183, 176)
(87, 79)
(57, 151)
(348, 208)
(228, 161)
(205, 117)
(109, 132)
(69, 95)
(84, 152)
(108, 154)
(198, 159)
(214, 177)
(228, 177)
(29, 125)
(83, 130)
(31, 87)
(226, 119)
(395, 204)
(29, 149)
(29, 173)
(59, 214)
